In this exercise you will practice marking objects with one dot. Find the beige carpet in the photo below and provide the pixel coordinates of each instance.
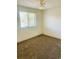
(40, 47)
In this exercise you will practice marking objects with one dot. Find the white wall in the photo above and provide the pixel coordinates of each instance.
(48, 23)
(52, 22)
(23, 34)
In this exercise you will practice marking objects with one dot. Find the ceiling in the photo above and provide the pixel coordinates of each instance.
(36, 3)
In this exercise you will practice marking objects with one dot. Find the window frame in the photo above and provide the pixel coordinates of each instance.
(28, 20)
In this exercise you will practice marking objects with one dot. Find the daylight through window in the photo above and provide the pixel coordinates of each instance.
(27, 19)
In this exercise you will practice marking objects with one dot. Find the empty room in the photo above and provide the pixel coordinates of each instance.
(38, 29)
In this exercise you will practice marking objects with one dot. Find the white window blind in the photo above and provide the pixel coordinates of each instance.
(27, 19)
(32, 20)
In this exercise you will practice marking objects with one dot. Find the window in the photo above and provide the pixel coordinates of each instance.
(27, 19)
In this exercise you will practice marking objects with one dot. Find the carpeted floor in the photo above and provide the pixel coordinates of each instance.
(40, 47)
